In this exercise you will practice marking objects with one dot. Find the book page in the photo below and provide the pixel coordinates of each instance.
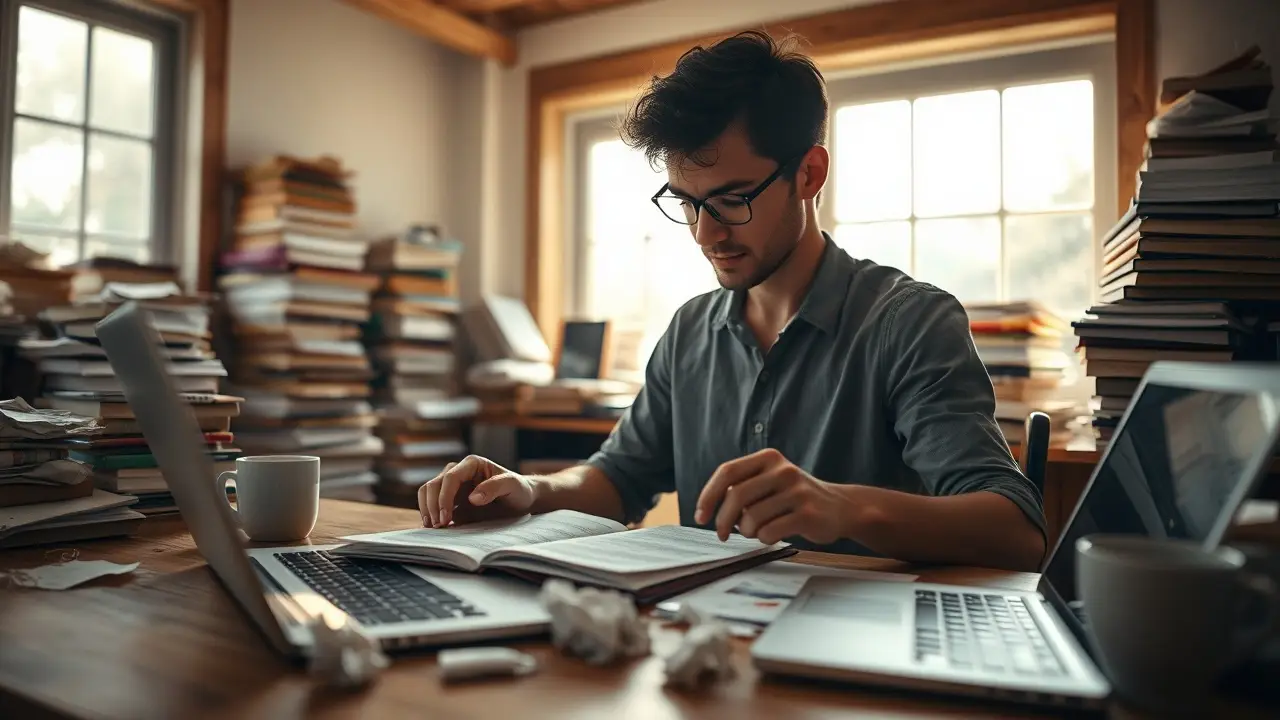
(646, 550)
(477, 540)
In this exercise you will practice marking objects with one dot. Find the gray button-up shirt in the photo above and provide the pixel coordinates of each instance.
(875, 381)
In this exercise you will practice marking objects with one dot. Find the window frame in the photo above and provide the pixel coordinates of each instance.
(1093, 60)
(167, 35)
(585, 130)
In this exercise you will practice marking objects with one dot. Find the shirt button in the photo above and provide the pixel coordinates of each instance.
(759, 428)
(764, 376)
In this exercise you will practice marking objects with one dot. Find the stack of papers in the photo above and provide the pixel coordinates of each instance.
(44, 495)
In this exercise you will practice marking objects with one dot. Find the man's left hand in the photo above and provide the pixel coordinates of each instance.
(769, 498)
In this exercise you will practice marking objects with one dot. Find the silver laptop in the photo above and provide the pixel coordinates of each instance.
(283, 588)
(1191, 446)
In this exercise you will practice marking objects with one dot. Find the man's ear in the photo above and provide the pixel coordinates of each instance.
(811, 176)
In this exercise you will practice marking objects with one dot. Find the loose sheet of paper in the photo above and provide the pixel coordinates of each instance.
(759, 595)
(63, 576)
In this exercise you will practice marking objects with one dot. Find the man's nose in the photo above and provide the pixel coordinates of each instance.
(708, 230)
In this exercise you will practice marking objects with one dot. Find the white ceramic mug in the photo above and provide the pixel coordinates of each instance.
(1168, 618)
(277, 496)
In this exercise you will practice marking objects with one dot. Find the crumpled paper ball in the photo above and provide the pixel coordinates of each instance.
(343, 656)
(705, 653)
(599, 626)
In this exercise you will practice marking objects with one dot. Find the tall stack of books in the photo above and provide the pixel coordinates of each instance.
(412, 338)
(296, 296)
(46, 497)
(77, 378)
(1021, 344)
(1192, 271)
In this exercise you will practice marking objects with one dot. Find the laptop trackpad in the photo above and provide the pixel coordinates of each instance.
(874, 610)
(858, 623)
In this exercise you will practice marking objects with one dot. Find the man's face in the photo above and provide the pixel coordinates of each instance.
(743, 256)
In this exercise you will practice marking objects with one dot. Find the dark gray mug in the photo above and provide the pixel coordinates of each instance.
(1167, 618)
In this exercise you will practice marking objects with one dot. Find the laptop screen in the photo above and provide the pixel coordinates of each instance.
(1173, 467)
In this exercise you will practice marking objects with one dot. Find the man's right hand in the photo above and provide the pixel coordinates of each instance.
(474, 489)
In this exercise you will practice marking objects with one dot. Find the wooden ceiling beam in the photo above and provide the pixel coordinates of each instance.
(445, 26)
(481, 6)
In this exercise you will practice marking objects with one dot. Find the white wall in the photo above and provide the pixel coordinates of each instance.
(1192, 36)
(1197, 35)
(312, 77)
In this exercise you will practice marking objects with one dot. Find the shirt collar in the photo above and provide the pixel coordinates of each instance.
(822, 304)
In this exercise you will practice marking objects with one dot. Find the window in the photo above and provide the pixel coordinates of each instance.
(978, 177)
(635, 266)
(985, 177)
(86, 120)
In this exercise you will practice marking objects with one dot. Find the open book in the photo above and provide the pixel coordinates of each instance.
(650, 563)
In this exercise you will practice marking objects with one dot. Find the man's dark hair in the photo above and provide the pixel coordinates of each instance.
(776, 92)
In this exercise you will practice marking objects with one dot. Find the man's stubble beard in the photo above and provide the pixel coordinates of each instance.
(791, 228)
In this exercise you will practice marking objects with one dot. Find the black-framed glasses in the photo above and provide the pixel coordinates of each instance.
(726, 208)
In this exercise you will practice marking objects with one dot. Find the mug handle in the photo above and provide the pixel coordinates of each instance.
(223, 477)
(1261, 589)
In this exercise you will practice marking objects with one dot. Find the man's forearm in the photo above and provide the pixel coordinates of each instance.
(980, 528)
(583, 488)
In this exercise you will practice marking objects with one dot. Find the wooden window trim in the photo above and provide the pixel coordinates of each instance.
(867, 36)
(206, 62)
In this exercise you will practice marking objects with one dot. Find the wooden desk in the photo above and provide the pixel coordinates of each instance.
(168, 642)
(1076, 452)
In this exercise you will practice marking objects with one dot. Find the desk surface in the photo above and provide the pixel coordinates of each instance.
(1078, 451)
(167, 642)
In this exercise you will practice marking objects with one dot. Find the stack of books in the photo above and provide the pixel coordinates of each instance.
(1192, 270)
(1022, 346)
(75, 377)
(412, 338)
(297, 296)
(46, 497)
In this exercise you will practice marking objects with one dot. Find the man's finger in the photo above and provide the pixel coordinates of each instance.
(782, 527)
(740, 495)
(492, 489)
(727, 475)
(760, 513)
(463, 472)
(429, 502)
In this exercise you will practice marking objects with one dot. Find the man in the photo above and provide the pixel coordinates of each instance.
(827, 401)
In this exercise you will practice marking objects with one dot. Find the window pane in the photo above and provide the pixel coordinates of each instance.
(957, 154)
(61, 249)
(640, 266)
(47, 166)
(873, 161)
(961, 256)
(122, 83)
(1050, 259)
(886, 243)
(51, 57)
(137, 251)
(1048, 146)
(119, 187)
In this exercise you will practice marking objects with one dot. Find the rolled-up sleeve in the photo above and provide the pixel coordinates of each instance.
(637, 456)
(943, 404)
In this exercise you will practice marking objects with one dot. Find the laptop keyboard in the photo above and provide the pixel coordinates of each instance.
(373, 592)
(981, 631)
